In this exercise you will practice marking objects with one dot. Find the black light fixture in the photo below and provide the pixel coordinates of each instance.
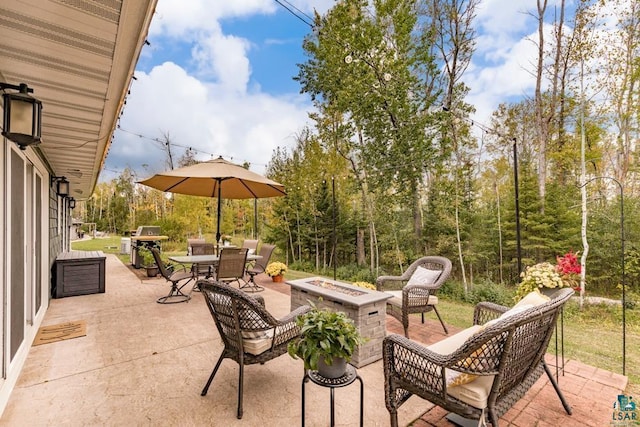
(72, 203)
(22, 116)
(62, 187)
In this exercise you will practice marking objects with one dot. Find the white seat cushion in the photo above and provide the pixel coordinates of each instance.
(533, 298)
(476, 392)
(453, 342)
(397, 298)
(257, 342)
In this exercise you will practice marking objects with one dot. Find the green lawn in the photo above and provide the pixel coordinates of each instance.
(592, 335)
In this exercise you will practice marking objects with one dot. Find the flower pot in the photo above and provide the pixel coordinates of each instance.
(337, 368)
(550, 292)
(152, 271)
(278, 278)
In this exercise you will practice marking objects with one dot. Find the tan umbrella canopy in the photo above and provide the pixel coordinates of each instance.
(216, 178)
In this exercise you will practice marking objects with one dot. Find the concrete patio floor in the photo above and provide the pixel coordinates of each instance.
(143, 363)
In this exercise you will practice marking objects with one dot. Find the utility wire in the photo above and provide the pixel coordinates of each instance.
(301, 15)
(187, 147)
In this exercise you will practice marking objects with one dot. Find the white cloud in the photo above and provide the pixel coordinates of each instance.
(210, 107)
(504, 63)
(223, 58)
(206, 117)
(177, 18)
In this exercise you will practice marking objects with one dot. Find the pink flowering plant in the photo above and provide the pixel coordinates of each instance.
(569, 269)
(546, 275)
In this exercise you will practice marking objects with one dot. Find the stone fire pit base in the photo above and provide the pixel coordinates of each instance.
(367, 308)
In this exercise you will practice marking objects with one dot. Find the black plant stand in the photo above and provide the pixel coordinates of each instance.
(349, 377)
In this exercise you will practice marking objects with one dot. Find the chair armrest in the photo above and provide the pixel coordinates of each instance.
(413, 365)
(409, 362)
(383, 279)
(173, 267)
(287, 328)
(486, 311)
(260, 299)
(291, 317)
(417, 295)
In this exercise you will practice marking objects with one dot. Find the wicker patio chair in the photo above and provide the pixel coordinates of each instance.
(175, 277)
(497, 362)
(418, 295)
(249, 332)
(257, 268)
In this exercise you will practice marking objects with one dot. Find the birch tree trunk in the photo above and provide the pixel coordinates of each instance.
(583, 192)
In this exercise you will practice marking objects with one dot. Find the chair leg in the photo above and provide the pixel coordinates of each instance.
(175, 295)
(213, 374)
(492, 417)
(405, 324)
(566, 405)
(394, 419)
(240, 384)
(440, 319)
(251, 285)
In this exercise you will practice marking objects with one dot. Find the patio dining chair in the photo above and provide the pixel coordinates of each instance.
(250, 334)
(176, 277)
(250, 244)
(191, 242)
(231, 265)
(420, 282)
(257, 268)
(203, 268)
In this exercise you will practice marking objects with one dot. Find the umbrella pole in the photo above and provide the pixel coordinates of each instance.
(218, 223)
(255, 218)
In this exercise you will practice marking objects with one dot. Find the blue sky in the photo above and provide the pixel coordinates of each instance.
(218, 77)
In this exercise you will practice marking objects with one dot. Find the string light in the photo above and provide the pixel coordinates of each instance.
(187, 147)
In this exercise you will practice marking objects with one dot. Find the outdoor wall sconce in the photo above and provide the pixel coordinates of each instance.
(63, 185)
(22, 116)
(72, 203)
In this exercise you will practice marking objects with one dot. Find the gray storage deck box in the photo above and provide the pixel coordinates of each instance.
(79, 273)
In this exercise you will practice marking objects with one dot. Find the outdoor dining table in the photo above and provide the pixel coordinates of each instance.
(194, 260)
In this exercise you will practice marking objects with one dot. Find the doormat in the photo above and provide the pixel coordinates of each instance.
(63, 331)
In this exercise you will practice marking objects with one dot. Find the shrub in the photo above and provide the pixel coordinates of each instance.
(491, 292)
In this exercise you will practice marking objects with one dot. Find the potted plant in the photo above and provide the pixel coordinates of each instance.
(546, 277)
(327, 341)
(148, 261)
(226, 240)
(276, 270)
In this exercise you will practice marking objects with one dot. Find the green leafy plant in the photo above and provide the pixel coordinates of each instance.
(146, 256)
(276, 269)
(324, 333)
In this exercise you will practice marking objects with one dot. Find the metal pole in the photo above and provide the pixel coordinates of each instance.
(219, 216)
(255, 218)
(517, 195)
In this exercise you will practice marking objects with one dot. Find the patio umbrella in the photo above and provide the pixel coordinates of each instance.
(216, 178)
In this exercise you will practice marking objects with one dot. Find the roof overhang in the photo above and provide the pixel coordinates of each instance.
(79, 58)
